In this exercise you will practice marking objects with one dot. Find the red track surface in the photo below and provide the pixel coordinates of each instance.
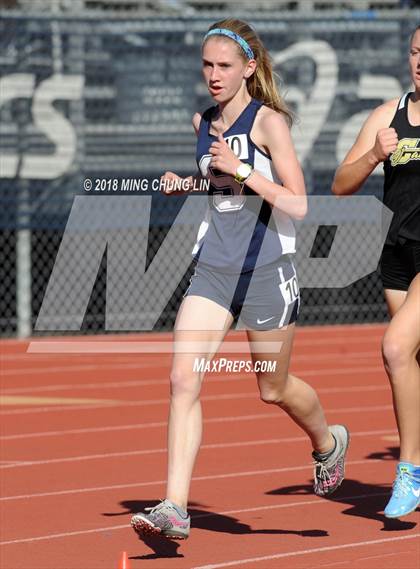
(73, 473)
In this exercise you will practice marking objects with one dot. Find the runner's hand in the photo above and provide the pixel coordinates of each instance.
(223, 158)
(170, 182)
(385, 144)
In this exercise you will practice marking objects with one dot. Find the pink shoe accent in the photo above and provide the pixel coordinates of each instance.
(333, 479)
(177, 523)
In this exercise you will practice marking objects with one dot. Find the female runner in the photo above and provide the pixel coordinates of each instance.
(391, 135)
(244, 264)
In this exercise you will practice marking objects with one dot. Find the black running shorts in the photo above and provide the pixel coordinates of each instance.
(399, 264)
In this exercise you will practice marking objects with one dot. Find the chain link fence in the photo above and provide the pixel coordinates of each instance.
(99, 96)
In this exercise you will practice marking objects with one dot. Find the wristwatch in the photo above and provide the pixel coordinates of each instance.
(243, 172)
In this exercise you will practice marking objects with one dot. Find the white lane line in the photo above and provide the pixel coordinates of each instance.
(134, 426)
(368, 557)
(76, 368)
(352, 356)
(208, 446)
(306, 552)
(65, 534)
(238, 444)
(145, 402)
(27, 400)
(309, 336)
(211, 378)
(86, 386)
(152, 358)
(162, 482)
(315, 502)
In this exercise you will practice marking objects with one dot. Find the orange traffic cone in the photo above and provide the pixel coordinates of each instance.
(124, 562)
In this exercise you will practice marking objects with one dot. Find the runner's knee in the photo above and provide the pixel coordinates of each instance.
(184, 382)
(273, 393)
(396, 351)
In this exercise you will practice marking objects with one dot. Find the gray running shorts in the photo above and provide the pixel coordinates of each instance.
(266, 298)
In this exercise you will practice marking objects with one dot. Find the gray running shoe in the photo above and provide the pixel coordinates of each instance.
(329, 470)
(165, 519)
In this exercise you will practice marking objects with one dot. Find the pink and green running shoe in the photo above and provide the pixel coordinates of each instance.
(329, 468)
(166, 519)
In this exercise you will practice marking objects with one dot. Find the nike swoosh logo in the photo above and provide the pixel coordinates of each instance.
(264, 321)
(416, 492)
